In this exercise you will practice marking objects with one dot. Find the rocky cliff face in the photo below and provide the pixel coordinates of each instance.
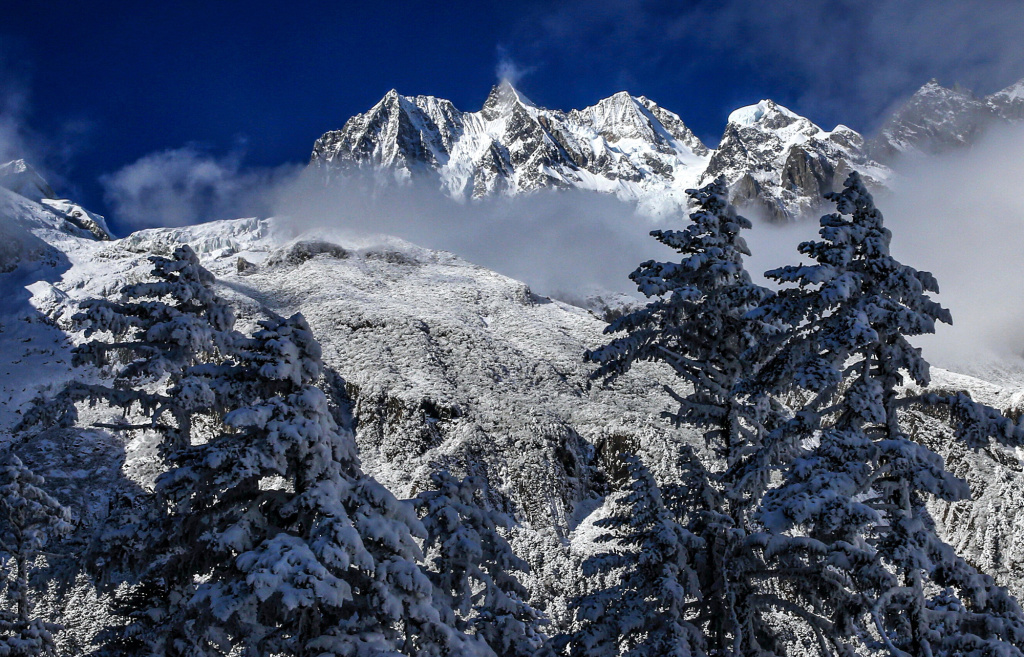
(624, 145)
(630, 146)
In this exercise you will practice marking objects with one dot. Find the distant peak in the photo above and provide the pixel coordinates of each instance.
(19, 177)
(623, 98)
(754, 114)
(502, 97)
(934, 88)
(1015, 90)
(16, 166)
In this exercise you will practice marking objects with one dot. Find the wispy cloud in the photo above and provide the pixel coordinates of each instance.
(569, 244)
(13, 131)
(960, 215)
(49, 154)
(187, 186)
(507, 70)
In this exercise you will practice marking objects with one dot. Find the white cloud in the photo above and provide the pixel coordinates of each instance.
(961, 216)
(188, 186)
(507, 70)
(562, 243)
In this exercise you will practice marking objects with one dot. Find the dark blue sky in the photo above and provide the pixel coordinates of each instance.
(92, 87)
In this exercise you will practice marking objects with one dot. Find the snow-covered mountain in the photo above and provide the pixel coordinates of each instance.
(784, 163)
(433, 360)
(938, 119)
(776, 161)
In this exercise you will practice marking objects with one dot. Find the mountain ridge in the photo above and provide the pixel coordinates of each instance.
(777, 163)
(626, 145)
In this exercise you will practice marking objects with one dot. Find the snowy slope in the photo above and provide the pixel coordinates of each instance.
(1008, 103)
(38, 245)
(624, 145)
(438, 355)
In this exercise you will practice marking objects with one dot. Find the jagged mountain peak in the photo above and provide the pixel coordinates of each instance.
(1015, 90)
(502, 99)
(624, 144)
(619, 116)
(781, 164)
(935, 90)
(1008, 103)
(937, 119)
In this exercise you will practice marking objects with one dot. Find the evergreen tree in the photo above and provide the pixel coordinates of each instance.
(698, 324)
(851, 513)
(277, 542)
(474, 568)
(146, 339)
(157, 329)
(29, 519)
(650, 608)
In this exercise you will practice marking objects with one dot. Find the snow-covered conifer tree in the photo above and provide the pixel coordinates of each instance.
(29, 519)
(157, 329)
(142, 342)
(649, 610)
(474, 568)
(698, 324)
(277, 542)
(850, 521)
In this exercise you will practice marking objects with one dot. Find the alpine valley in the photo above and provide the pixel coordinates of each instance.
(433, 362)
